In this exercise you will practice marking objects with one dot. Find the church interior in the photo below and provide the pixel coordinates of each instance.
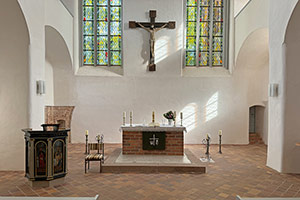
(181, 99)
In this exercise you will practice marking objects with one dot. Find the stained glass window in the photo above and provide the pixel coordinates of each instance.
(205, 32)
(102, 32)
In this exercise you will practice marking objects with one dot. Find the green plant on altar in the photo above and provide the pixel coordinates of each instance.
(169, 115)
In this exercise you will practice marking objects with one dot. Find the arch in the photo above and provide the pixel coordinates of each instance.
(291, 163)
(14, 84)
(258, 124)
(57, 51)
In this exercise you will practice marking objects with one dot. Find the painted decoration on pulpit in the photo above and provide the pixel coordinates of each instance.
(41, 158)
(58, 153)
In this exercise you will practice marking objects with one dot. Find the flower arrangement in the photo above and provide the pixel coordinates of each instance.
(169, 115)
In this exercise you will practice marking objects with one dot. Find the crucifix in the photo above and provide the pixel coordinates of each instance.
(152, 27)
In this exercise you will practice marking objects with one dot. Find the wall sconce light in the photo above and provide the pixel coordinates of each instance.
(273, 90)
(40, 87)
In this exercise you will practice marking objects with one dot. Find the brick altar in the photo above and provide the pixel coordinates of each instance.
(132, 140)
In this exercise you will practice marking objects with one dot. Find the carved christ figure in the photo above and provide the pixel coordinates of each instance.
(152, 30)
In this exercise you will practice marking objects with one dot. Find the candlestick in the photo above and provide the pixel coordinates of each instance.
(181, 118)
(174, 118)
(153, 117)
(220, 142)
(124, 118)
(86, 141)
(131, 118)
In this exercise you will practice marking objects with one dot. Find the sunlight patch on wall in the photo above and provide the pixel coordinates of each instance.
(189, 116)
(179, 37)
(161, 48)
(212, 107)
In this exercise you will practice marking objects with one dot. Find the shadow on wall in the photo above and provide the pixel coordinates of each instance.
(59, 68)
(14, 85)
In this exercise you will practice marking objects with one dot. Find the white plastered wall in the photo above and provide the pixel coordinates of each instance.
(214, 102)
(14, 85)
(280, 13)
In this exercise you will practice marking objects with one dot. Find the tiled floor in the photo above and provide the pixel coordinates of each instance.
(239, 170)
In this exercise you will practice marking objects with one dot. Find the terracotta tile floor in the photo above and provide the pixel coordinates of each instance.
(239, 170)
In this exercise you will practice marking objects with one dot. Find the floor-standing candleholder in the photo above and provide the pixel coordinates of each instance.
(86, 143)
(207, 157)
(220, 144)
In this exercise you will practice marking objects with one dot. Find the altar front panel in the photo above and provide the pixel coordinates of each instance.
(132, 143)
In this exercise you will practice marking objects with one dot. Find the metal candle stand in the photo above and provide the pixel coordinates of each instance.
(207, 143)
(86, 143)
(220, 144)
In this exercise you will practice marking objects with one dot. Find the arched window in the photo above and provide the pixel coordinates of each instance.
(102, 32)
(206, 33)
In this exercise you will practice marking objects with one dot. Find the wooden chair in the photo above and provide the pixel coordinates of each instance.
(99, 156)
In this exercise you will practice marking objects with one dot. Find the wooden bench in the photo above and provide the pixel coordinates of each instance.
(283, 198)
(50, 198)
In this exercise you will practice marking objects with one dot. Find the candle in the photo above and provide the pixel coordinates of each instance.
(207, 136)
(124, 118)
(181, 115)
(220, 132)
(131, 113)
(174, 114)
(86, 132)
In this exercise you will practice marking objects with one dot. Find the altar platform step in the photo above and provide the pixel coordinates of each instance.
(118, 163)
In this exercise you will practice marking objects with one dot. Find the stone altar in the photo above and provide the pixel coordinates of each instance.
(149, 140)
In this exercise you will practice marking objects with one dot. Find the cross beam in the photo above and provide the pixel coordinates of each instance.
(152, 27)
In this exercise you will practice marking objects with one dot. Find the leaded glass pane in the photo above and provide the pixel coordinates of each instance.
(217, 58)
(217, 44)
(191, 43)
(102, 13)
(204, 29)
(204, 14)
(101, 2)
(102, 43)
(115, 58)
(115, 28)
(191, 29)
(204, 43)
(191, 2)
(190, 58)
(191, 13)
(88, 28)
(88, 2)
(218, 14)
(115, 13)
(115, 43)
(88, 57)
(203, 58)
(88, 13)
(218, 29)
(88, 43)
(115, 2)
(218, 2)
(102, 58)
(102, 28)
(204, 2)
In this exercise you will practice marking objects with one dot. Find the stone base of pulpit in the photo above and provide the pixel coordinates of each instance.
(50, 183)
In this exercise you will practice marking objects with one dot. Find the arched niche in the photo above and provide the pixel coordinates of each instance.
(14, 84)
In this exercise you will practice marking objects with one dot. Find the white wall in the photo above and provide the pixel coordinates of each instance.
(14, 85)
(100, 101)
(49, 95)
(291, 161)
(280, 12)
(34, 12)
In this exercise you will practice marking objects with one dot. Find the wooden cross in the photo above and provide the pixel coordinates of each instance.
(152, 27)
